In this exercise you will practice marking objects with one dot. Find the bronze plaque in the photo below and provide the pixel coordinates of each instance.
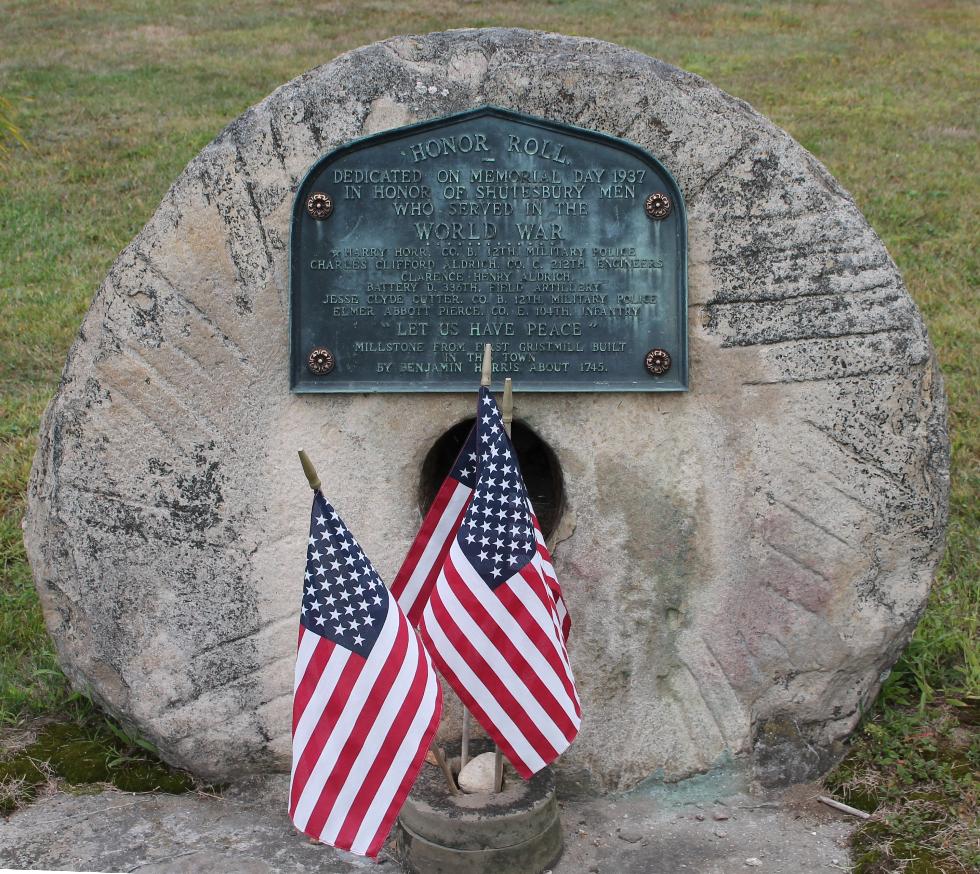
(565, 248)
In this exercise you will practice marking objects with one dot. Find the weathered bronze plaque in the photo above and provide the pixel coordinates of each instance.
(564, 248)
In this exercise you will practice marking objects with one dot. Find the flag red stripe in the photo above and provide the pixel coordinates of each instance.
(416, 554)
(303, 767)
(542, 642)
(430, 580)
(314, 668)
(369, 708)
(489, 676)
(406, 784)
(538, 583)
(382, 761)
(511, 653)
(554, 608)
(548, 572)
(473, 705)
(429, 523)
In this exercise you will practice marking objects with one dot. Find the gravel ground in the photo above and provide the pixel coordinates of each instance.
(702, 826)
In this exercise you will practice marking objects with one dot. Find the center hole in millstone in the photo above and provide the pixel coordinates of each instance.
(539, 466)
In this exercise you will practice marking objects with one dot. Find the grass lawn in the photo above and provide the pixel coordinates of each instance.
(113, 99)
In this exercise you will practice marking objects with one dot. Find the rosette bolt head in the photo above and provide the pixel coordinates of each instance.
(321, 361)
(657, 361)
(657, 206)
(319, 205)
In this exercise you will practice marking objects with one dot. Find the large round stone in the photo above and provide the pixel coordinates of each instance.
(742, 563)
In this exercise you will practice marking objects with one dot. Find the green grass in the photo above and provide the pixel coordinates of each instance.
(114, 98)
(915, 769)
(84, 751)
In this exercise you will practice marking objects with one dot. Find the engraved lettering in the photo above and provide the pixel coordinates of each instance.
(533, 146)
(441, 146)
(492, 329)
(539, 231)
(544, 329)
(456, 230)
(411, 329)
(617, 191)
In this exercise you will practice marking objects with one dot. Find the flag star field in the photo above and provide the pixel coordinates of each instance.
(497, 535)
(344, 599)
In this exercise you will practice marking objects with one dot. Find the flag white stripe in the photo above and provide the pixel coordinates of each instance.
(392, 780)
(430, 554)
(548, 566)
(341, 731)
(548, 570)
(474, 685)
(511, 629)
(545, 618)
(559, 618)
(387, 713)
(321, 695)
(558, 604)
(304, 652)
(542, 611)
(506, 674)
(562, 612)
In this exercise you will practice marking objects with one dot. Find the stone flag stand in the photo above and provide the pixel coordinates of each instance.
(743, 563)
(515, 831)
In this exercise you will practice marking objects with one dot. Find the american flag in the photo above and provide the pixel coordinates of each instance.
(419, 571)
(414, 581)
(492, 624)
(366, 701)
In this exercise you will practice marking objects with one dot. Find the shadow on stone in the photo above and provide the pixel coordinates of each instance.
(539, 467)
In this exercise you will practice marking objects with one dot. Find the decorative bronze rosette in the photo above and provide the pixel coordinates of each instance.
(319, 205)
(321, 361)
(657, 361)
(658, 206)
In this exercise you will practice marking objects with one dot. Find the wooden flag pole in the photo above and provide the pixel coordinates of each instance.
(486, 377)
(507, 411)
(314, 480)
(464, 746)
(440, 755)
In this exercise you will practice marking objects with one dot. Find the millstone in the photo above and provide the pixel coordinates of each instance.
(742, 562)
(516, 831)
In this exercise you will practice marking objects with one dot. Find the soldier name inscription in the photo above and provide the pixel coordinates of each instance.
(565, 248)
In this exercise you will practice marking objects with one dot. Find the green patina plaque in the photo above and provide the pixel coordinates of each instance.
(563, 247)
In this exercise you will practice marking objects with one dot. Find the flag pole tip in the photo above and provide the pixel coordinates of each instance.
(486, 372)
(309, 470)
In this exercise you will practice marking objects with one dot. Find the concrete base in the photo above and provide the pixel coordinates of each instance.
(516, 831)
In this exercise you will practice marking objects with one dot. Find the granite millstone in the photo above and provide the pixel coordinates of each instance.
(743, 563)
